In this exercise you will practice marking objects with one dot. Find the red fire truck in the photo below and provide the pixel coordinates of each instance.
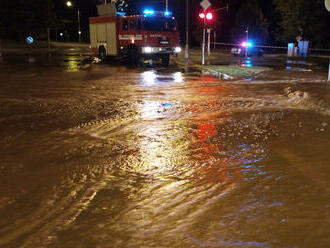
(152, 36)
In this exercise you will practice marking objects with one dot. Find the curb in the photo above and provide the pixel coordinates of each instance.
(53, 52)
(207, 71)
(216, 73)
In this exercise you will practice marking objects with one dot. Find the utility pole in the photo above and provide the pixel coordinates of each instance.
(328, 73)
(70, 5)
(187, 30)
(166, 5)
(327, 6)
(247, 41)
(48, 38)
(48, 28)
(0, 48)
(79, 30)
(215, 38)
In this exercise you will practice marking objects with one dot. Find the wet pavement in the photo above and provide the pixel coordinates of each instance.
(100, 156)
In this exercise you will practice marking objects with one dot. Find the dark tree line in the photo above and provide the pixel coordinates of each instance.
(269, 21)
(19, 18)
(306, 18)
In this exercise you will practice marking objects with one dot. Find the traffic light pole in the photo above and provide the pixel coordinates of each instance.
(203, 46)
(247, 41)
(208, 42)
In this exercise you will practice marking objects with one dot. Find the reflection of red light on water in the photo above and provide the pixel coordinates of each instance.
(205, 131)
(209, 79)
(211, 103)
(210, 89)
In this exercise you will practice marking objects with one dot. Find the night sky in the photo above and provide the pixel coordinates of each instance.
(177, 7)
(274, 22)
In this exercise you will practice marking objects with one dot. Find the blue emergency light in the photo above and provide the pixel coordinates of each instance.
(151, 12)
(148, 12)
(246, 44)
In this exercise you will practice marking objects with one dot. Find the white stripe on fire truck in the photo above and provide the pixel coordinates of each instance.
(130, 37)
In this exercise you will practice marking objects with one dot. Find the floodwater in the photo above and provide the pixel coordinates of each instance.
(103, 156)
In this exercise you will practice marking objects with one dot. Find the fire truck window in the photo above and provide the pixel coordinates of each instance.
(162, 24)
(125, 25)
(139, 26)
(132, 24)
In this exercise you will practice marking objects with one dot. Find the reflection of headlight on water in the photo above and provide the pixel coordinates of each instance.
(178, 78)
(150, 110)
(149, 77)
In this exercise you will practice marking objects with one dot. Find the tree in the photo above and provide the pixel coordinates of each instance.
(21, 18)
(250, 15)
(306, 18)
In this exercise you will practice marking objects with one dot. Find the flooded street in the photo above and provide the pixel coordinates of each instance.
(104, 156)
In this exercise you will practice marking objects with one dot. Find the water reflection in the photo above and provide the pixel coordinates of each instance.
(149, 78)
(210, 165)
(178, 77)
(151, 110)
(246, 62)
(72, 64)
(292, 65)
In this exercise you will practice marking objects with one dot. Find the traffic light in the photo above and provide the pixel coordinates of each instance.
(206, 15)
(209, 16)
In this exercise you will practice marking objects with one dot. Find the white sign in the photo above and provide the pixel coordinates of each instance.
(327, 4)
(130, 37)
(205, 4)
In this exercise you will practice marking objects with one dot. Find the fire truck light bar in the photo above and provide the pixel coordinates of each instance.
(148, 12)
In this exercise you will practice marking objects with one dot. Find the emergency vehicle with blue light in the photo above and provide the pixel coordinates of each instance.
(152, 35)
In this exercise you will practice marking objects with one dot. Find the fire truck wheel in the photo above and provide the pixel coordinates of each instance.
(166, 60)
(133, 55)
(102, 53)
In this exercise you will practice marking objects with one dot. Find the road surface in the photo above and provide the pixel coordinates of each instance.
(105, 156)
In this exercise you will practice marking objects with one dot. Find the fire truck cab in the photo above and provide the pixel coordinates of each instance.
(153, 35)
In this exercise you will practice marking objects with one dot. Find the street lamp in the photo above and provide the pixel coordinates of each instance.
(247, 41)
(187, 30)
(69, 4)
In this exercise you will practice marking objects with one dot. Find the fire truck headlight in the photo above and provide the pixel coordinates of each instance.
(178, 50)
(148, 50)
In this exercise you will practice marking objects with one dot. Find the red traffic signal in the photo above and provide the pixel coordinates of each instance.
(208, 16)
